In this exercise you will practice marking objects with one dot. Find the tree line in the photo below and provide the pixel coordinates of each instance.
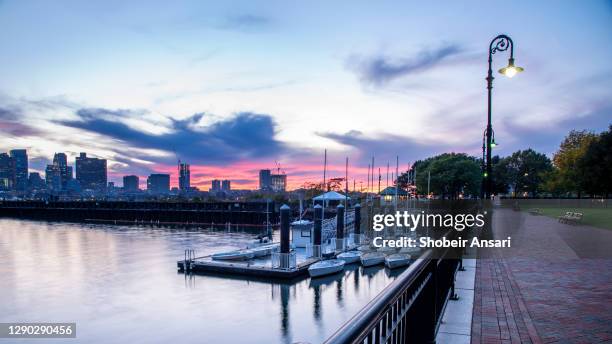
(582, 166)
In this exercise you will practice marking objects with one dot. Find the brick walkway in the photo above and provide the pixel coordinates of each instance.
(544, 300)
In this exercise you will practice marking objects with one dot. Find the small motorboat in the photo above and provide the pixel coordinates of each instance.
(372, 258)
(396, 260)
(264, 250)
(326, 267)
(350, 256)
(234, 255)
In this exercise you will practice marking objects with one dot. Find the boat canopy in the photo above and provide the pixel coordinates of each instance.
(331, 196)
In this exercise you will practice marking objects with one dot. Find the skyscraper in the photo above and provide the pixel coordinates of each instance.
(91, 173)
(225, 185)
(61, 162)
(184, 177)
(7, 172)
(265, 180)
(215, 185)
(158, 183)
(35, 182)
(20, 156)
(131, 183)
(53, 178)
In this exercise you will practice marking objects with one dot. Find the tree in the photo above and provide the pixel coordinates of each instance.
(570, 174)
(451, 174)
(526, 171)
(596, 165)
(500, 175)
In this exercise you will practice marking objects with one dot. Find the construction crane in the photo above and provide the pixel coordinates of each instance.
(278, 168)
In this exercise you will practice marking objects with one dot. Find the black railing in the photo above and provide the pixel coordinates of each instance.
(408, 310)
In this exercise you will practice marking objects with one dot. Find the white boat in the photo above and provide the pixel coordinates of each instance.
(372, 258)
(326, 267)
(396, 260)
(264, 250)
(350, 256)
(386, 249)
(234, 255)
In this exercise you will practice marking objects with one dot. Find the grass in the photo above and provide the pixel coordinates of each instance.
(596, 217)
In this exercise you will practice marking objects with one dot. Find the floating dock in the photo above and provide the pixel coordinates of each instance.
(255, 268)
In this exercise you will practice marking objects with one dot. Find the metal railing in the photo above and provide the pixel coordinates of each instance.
(407, 310)
(285, 261)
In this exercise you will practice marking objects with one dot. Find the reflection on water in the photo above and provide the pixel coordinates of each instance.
(121, 283)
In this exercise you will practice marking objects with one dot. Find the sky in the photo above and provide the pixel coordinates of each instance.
(233, 87)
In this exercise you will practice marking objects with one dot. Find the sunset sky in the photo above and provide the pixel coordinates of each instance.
(233, 87)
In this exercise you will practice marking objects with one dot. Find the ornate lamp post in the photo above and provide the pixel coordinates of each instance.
(499, 43)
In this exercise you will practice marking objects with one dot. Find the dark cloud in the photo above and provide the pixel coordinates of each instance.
(378, 70)
(387, 146)
(10, 125)
(245, 136)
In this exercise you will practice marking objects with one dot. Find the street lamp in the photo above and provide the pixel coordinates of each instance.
(499, 43)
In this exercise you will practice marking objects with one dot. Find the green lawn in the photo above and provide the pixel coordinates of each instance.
(596, 217)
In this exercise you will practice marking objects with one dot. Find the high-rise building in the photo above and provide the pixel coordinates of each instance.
(265, 180)
(20, 156)
(35, 182)
(91, 173)
(278, 182)
(131, 183)
(61, 162)
(53, 178)
(184, 177)
(7, 172)
(215, 185)
(158, 183)
(226, 185)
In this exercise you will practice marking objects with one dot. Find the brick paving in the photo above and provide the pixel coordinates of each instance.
(543, 300)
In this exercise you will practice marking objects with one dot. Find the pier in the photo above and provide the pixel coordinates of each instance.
(171, 214)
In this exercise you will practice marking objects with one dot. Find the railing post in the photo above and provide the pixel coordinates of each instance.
(340, 228)
(285, 218)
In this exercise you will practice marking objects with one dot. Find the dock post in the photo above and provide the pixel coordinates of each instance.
(340, 228)
(318, 227)
(285, 218)
(357, 225)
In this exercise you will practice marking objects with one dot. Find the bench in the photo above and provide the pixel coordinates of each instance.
(571, 218)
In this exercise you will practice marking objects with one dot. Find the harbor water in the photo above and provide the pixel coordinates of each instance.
(121, 282)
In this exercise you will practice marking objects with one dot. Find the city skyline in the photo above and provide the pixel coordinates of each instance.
(233, 89)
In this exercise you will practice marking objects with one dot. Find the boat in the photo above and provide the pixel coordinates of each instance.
(372, 258)
(396, 260)
(264, 250)
(350, 256)
(234, 255)
(326, 267)
(386, 249)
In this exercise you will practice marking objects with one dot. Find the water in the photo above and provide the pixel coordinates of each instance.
(120, 284)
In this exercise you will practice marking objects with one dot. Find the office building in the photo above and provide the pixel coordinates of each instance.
(265, 180)
(158, 183)
(225, 185)
(215, 185)
(35, 182)
(61, 162)
(184, 177)
(91, 173)
(7, 172)
(278, 182)
(53, 178)
(131, 183)
(20, 156)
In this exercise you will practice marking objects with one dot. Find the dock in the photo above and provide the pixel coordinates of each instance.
(258, 268)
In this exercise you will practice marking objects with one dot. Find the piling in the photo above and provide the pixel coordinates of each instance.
(318, 224)
(357, 226)
(285, 218)
(340, 228)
